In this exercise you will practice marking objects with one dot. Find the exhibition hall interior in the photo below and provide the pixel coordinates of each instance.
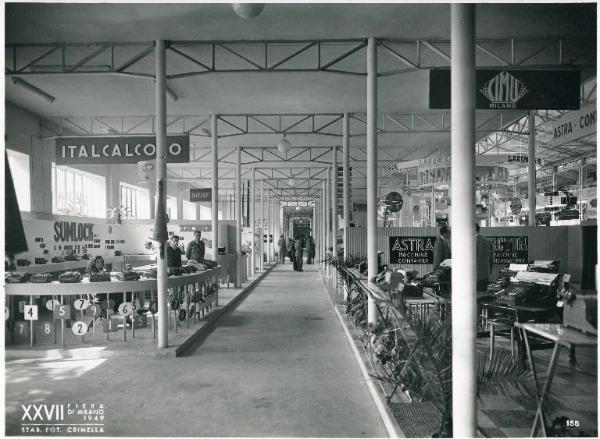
(300, 219)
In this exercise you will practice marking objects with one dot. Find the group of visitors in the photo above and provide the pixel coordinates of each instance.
(294, 249)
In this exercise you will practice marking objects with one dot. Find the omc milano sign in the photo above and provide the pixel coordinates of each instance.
(118, 150)
(513, 89)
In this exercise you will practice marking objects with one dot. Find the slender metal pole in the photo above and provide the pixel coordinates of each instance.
(531, 182)
(240, 214)
(463, 219)
(269, 226)
(262, 223)
(253, 222)
(161, 190)
(328, 212)
(323, 220)
(346, 177)
(334, 199)
(214, 204)
(371, 171)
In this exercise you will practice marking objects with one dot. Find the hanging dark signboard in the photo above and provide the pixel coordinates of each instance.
(118, 150)
(199, 195)
(513, 89)
(510, 249)
(411, 249)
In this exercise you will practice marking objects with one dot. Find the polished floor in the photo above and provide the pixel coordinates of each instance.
(279, 365)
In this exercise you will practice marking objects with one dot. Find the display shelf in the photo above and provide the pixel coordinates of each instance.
(65, 266)
(115, 286)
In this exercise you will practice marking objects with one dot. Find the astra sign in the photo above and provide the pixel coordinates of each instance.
(118, 150)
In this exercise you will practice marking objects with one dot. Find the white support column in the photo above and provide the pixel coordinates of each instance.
(462, 39)
(531, 182)
(160, 225)
(240, 215)
(323, 220)
(214, 204)
(346, 177)
(334, 199)
(262, 221)
(371, 171)
(253, 222)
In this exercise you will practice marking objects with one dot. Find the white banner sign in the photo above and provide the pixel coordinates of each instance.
(574, 125)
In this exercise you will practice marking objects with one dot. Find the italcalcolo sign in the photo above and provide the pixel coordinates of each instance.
(118, 150)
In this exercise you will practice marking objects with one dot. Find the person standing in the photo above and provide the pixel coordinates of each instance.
(196, 248)
(485, 260)
(299, 254)
(441, 248)
(291, 250)
(282, 245)
(173, 253)
(310, 246)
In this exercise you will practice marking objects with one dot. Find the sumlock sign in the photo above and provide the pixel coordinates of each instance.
(513, 89)
(118, 150)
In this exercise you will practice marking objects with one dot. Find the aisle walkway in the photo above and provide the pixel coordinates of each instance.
(278, 366)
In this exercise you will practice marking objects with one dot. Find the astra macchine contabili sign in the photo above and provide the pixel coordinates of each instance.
(411, 249)
(118, 150)
(513, 89)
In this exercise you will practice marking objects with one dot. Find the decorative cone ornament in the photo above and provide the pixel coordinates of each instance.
(284, 145)
(160, 219)
(248, 10)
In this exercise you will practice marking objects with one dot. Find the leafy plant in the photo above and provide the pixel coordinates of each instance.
(117, 214)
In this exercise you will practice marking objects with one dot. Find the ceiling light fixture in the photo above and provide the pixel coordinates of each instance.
(248, 10)
(32, 88)
(284, 145)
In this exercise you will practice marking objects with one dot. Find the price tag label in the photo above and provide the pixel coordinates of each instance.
(21, 332)
(51, 304)
(44, 331)
(105, 305)
(22, 306)
(126, 308)
(6, 313)
(140, 321)
(79, 328)
(93, 310)
(62, 312)
(31, 312)
(81, 304)
(109, 325)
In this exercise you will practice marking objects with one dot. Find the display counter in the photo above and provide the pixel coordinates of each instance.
(56, 288)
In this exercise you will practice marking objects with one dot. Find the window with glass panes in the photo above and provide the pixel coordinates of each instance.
(19, 169)
(135, 201)
(189, 210)
(78, 193)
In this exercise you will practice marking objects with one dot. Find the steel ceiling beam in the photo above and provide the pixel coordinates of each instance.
(308, 55)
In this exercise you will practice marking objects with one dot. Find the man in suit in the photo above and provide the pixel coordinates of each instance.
(485, 259)
(441, 248)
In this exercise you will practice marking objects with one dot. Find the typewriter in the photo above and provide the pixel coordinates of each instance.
(127, 275)
(504, 277)
(438, 282)
(544, 266)
(69, 277)
(41, 278)
(17, 278)
(530, 289)
(100, 277)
